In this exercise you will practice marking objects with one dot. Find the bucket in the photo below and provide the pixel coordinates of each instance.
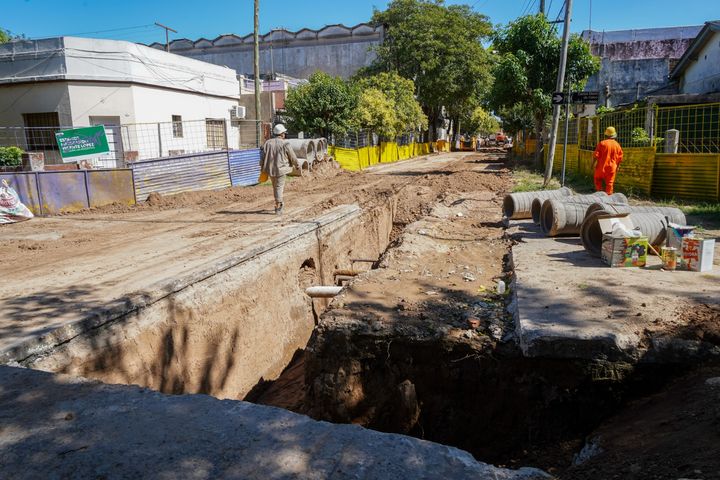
(669, 258)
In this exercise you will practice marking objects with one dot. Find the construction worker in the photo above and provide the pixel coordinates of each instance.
(607, 158)
(276, 161)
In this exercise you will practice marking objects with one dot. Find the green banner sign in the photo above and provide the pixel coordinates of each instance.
(80, 143)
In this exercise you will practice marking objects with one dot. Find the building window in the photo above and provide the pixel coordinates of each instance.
(215, 129)
(40, 130)
(177, 126)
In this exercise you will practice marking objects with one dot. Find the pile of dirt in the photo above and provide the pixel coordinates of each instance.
(669, 435)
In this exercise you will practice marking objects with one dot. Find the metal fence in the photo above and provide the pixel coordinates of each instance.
(699, 127)
(143, 141)
(366, 138)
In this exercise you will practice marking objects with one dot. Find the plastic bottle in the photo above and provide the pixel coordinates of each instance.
(500, 287)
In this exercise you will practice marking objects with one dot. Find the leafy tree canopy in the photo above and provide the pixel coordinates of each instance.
(399, 92)
(377, 113)
(4, 36)
(516, 118)
(438, 46)
(323, 106)
(526, 72)
(480, 122)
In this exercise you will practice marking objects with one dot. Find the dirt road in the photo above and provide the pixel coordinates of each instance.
(59, 268)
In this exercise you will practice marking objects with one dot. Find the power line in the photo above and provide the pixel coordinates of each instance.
(96, 31)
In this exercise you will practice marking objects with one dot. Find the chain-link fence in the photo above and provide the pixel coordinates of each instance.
(142, 141)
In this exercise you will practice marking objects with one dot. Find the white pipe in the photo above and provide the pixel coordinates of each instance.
(322, 291)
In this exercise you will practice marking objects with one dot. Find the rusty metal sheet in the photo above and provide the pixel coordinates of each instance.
(244, 167)
(62, 191)
(692, 176)
(167, 176)
(25, 184)
(110, 186)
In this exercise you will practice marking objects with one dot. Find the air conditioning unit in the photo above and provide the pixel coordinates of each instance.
(237, 112)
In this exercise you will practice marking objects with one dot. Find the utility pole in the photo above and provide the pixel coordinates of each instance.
(258, 123)
(167, 35)
(559, 88)
(542, 7)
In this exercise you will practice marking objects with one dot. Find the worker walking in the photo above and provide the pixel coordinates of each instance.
(607, 158)
(276, 161)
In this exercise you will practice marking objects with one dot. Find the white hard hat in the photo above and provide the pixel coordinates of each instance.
(279, 129)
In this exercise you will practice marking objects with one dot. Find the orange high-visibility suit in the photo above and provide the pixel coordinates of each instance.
(608, 157)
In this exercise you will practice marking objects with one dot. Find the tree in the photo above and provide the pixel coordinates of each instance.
(480, 122)
(438, 47)
(527, 70)
(4, 36)
(516, 118)
(325, 105)
(399, 91)
(377, 113)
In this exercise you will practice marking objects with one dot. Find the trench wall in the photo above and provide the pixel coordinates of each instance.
(222, 335)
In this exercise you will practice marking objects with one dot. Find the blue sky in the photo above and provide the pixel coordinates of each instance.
(132, 19)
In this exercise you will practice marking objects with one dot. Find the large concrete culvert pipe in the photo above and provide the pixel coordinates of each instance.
(517, 206)
(650, 220)
(537, 203)
(303, 149)
(560, 217)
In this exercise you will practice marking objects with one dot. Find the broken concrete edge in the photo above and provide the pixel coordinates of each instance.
(81, 428)
(98, 317)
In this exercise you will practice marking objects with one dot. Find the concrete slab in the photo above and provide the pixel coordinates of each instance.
(571, 305)
(54, 426)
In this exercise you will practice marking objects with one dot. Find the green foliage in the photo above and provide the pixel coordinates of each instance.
(526, 72)
(10, 156)
(640, 137)
(438, 46)
(4, 36)
(324, 106)
(602, 110)
(516, 118)
(399, 91)
(376, 112)
(480, 122)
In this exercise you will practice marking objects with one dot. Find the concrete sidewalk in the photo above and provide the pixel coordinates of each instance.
(572, 305)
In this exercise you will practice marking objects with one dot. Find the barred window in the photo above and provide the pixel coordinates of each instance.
(177, 126)
(40, 130)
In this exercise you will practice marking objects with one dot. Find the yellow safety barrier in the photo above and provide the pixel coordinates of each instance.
(348, 158)
(389, 152)
(687, 175)
(636, 170)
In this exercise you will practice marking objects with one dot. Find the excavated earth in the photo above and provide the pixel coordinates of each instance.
(418, 343)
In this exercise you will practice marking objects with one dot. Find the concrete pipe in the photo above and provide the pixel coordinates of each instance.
(561, 217)
(591, 233)
(537, 203)
(323, 291)
(303, 149)
(304, 167)
(517, 205)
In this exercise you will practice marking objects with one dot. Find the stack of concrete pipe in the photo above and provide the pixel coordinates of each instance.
(650, 220)
(321, 145)
(305, 151)
(565, 216)
(517, 206)
(537, 204)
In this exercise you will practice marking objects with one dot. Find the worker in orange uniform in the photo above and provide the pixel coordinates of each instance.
(607, 158)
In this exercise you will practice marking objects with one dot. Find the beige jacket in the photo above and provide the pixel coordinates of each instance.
(278, 158)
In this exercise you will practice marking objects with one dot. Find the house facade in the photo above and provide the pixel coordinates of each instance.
(152, 103)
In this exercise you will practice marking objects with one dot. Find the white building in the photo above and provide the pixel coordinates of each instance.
(153, 103)
(698, 71)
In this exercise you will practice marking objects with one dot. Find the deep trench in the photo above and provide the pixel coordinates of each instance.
(500, 406)
(493, 402)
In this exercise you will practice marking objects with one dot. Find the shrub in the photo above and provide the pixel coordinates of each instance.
(10, 156)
